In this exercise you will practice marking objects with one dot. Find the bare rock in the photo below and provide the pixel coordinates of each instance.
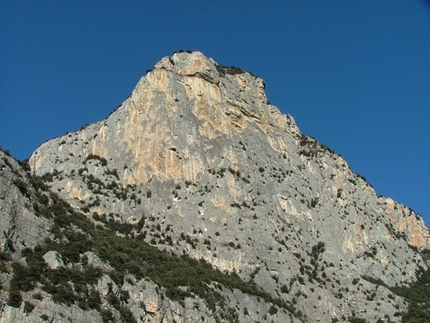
(198, 162)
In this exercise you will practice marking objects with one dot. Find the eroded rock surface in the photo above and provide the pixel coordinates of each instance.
(220, 174)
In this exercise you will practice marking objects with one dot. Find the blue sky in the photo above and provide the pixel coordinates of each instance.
(354, 74)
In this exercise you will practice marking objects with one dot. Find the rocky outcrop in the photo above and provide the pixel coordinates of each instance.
(20, 227)
(182, 103)
(198, 162)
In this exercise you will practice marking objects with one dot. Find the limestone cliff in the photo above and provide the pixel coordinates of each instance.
(20, 227)
(198, 162)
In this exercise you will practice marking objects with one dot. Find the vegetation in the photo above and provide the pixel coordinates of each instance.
(28, 307)
(417, 294)
(312, 148)
(232, 70)
(129, 254)
(5, 151)
(14, 299)
(102, 160)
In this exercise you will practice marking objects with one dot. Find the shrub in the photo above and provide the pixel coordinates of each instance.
(106, 315)
(22, 186)
(14, 299)
(93, 300)
(38, 296)
(126, 315)
(28, 307)
(114, 301)
(102, 160)
(273, 310)
(22, 280)
(232, 70)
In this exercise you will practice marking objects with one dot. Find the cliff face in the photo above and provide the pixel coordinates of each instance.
(197, 162)
(20, 227)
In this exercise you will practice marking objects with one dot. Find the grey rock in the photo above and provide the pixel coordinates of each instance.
(20, 227)
(199, 152)
(53, 259)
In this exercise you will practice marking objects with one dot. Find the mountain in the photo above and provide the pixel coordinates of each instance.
(197, 200)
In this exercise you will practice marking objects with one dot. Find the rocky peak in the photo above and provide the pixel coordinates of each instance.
(197, 162)
(191, 64)
(186, 96)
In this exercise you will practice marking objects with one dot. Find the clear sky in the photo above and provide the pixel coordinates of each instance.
(354, 74)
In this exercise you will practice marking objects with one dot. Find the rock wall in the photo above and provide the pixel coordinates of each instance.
(20, 227)
(219, 173)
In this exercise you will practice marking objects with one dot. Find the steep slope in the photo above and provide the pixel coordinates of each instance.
(70, 270)
(197, 162)
(20, 226)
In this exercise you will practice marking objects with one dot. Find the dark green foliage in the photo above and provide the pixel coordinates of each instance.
(126, 315)
(93, 300)
(142, 260)
(106, 316)
(314, 202)
(374, 281)
(361, 176)
(74, 234)
(38, 296)
(232, 70)
(48, 204)
(418, 295)
(77, 245)
(114, 301)
(25, 166)
(14, 299)
(82, 170)
(102, 160)
(318, 249)
(22, 186)
(58, 282)
(426, 254)
(273, 310)
(140, 224)
(28, 307)
(61, 293)
(113, 172)
(354, 319)
(5, 151)
(312, 147)
(38, 182)
(3, 258)
(23, 278)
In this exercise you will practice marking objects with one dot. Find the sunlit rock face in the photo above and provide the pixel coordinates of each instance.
(221, 174)
(176, 113)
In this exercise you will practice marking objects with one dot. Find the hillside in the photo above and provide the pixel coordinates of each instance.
(197, 200)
